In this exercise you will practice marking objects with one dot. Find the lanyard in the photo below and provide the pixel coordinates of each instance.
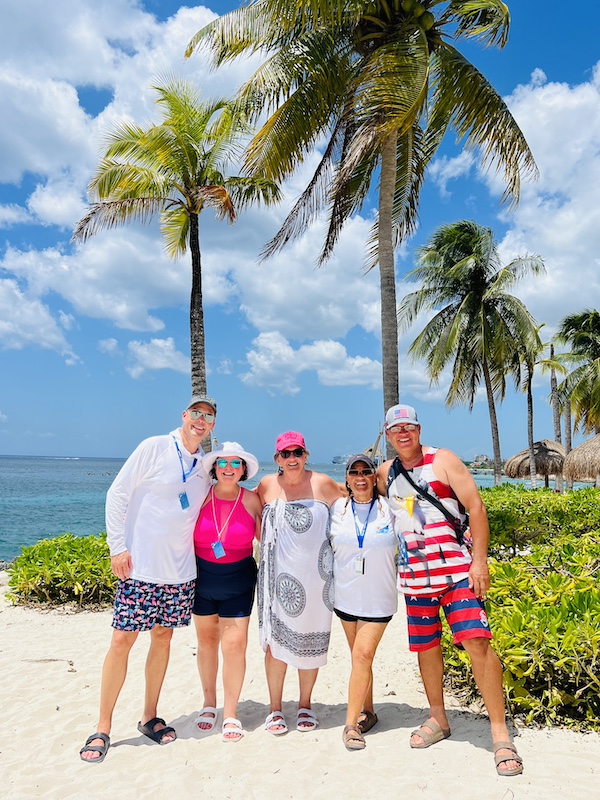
(361, 536)
(221, 530)
(185, 475)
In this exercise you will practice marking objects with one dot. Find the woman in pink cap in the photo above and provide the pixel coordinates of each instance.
(295, 583)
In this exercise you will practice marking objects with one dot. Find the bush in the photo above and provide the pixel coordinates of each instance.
(519, 517)
(544, 610)
(62, 570)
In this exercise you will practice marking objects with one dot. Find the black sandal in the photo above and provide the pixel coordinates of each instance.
(95, 748)
(156, 736)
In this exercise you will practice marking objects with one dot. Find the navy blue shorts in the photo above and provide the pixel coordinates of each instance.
(225, 589)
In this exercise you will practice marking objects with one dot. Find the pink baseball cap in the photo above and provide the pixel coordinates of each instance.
(289, 439)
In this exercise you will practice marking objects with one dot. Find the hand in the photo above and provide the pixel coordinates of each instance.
(121, 565)
(479, 578)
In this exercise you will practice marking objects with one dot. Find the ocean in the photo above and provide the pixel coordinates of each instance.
(42, 497)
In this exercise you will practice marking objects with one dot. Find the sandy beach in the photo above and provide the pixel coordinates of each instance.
(50, 664)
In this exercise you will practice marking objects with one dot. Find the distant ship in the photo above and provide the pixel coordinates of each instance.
(373, 452)
(340, 459)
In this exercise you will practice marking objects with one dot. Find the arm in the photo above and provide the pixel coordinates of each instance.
(254, 507)
(451, 470)
(382, 476)
(327, 489)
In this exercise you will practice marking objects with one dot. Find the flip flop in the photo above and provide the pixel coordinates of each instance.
(276, 720)
(502, 759)
(436, 735)
(95, 748)
(156, 736)
(353, 738)
(234, 732)
(204, 716)
(370, 719)
(306, 720)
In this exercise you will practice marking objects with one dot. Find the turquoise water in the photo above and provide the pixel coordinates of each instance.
(42, 497)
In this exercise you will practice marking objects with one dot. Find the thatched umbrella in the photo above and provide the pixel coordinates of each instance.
(549, 459)
(583, 462)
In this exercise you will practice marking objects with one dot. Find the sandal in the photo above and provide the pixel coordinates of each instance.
(368, 721)
(353, 738)
(95, 748)
(157, 736)
(502, 759)
(276, 720)
(205, 717)
(436, 735)
(232, 730)
(306, 720)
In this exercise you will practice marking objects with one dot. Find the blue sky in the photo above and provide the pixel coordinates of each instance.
(94, 352)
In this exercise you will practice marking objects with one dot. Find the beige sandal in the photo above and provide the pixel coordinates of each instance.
(503, 759)
(436, 735)
(353, 738)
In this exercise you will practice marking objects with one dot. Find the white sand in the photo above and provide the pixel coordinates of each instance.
(50, 664)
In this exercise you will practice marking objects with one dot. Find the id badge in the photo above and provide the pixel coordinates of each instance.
(359, 565)
(183, 499)
(218, 549)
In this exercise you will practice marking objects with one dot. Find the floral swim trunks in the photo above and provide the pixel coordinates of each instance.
(141, 606)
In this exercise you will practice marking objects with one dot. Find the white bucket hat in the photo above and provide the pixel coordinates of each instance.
(231, 450)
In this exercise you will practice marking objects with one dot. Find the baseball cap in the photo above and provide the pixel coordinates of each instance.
(398, 415)
(289, 439)
(202, 398)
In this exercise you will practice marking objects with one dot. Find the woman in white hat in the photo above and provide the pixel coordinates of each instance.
(228, 523)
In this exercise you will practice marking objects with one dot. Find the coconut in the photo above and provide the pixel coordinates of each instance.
(427, 21)
(408, 5)
(418, 10)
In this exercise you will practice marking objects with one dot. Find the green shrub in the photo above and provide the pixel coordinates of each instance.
(62, 570)
(519, 517)
(544, 610)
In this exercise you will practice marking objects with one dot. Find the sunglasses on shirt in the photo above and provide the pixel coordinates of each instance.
(222, 463)
(297, 451)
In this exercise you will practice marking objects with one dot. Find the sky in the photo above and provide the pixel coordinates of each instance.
(94, 337)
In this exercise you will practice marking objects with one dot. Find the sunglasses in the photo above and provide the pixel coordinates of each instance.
(356, 472)
(402, 428)
(297, 451)
(231, 462)
(205, 415)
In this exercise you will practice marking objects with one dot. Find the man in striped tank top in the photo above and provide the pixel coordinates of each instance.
(437, 570)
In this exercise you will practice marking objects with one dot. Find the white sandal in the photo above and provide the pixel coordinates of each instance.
(308, 718)
(235, 730)
(205, 717)
(276, 720)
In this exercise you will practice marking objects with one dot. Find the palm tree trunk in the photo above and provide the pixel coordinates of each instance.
(387, 278)
(493, 425)
(532, 466)
(197, 343)
(568, 428)
(558, 480)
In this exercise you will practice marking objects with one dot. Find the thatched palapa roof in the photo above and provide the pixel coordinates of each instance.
(549, 459)
(583, 463)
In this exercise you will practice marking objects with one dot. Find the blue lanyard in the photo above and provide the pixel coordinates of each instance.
(361, 536)
(185, 475)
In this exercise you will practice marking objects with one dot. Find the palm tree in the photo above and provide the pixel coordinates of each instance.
(380, 83)
(176, 169)
(478, 326)
(581, 387)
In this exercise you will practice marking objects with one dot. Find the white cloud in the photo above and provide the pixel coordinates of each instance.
(108, 346)
(156, 354)
(25, 321)
(12, 214)
(3, 417)
(275, 365)
(445, 169)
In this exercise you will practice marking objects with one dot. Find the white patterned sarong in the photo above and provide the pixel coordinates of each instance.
(295, 582)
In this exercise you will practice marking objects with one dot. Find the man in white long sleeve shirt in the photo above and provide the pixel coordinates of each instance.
(151, 510)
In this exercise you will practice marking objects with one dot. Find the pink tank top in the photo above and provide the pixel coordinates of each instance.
(237, 538)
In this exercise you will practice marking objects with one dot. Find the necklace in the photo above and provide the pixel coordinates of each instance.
(221, 530)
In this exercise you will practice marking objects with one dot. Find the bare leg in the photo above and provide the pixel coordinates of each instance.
(367, 636)
(307, 679)
(487, 672)
(156, 668)
(208, 633)
(234, 639)
(114, 672)
(275, 671)
(431, 667)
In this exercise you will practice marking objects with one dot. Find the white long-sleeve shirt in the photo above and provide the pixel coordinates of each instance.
(144, 513)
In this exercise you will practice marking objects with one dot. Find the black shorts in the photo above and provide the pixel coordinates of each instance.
(225, 589)
(351, 618)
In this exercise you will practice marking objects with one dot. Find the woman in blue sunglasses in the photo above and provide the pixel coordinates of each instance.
(228, 524)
